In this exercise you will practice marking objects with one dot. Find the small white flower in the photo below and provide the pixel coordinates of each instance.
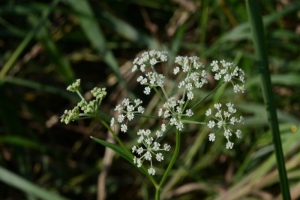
(176, 70)
(141, 109)
(160, 112)
(167, 147)
(163, 127)
(189, 112)
(153, 61)
(167, 114)
(238, 133)
(112, 122)
(121, 118)
(208, 112)
(148, 156)
(125, 102)
(212, 137)
(159, 157)
(140, 151)
(156, 146)
(130, 116)
(173, 121)
(190, 95)
(217, 105)
(137, 102)
(159, 134)
(124, 128)
(211, 124)
(118, 108)
(147, 90)
(151, 171)
(179, 126)
(217, 76)
(134, 68)
(229, 145)
(133, 149)
(137, 161)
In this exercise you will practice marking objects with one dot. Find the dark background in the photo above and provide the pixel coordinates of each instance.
(44, 48)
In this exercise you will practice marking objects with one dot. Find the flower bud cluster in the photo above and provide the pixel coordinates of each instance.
(88, 109)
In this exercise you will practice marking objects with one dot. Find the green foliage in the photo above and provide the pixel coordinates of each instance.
(47, 45)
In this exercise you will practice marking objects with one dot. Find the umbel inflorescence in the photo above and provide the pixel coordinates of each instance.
(174, 112)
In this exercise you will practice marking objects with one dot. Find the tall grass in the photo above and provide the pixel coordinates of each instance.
(263, 65)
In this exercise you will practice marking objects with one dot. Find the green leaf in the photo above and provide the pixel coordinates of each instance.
(116, 148)
(21, 141)
(26, 186)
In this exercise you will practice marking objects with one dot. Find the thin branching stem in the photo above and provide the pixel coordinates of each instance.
(165, 176)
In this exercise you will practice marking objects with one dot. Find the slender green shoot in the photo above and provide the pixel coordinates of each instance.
(262, 63)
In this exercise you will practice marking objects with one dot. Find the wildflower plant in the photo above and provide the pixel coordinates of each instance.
(174, 113)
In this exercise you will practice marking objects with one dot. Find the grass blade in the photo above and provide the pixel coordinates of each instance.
(10, 62)
(94, 34)
(262, 62)
(15, 180)
(116, 148)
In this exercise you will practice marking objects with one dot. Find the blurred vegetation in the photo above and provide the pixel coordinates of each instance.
(45, 45)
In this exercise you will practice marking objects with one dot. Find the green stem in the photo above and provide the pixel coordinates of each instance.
(207, 95)
(165, 93)
(114, 134)
(79, 94)
(192, 122)
(142, 169)
(174, 157)
(262, 62)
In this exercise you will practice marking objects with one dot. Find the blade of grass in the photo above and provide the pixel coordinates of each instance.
(62, 64)
(241, 32)
(257, 29)
(116, 148)
(253, 180)
(96, 37)
(126, 30)
(10, 62)
(15, 180)
(22, 142)
(40, 87)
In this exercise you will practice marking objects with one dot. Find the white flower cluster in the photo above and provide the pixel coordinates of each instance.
(174, 110)
(149, 59)
(193, 79)
(126, 112)
(83, 109)
(229, 72)
(152, 78)
(150, 148)
(223, 119)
